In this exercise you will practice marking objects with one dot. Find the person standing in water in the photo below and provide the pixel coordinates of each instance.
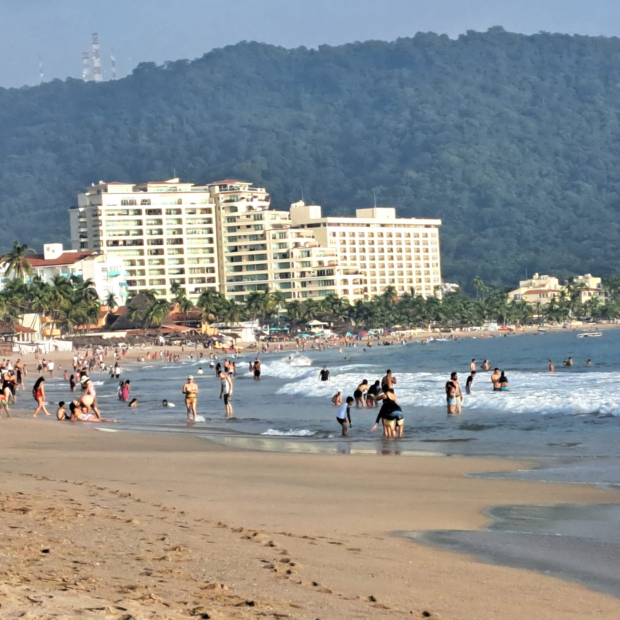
(344, 415)
(324, 375)
(256, 369)
(503, 382)
(469, 382)
(388, 382)
(472, 365)
(190, 390)
(551, 366)
(486, 365)
(495, 380)
(38, 393)
(226, 391)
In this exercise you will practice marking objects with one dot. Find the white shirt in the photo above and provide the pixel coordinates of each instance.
(50, 365)
(342, 411)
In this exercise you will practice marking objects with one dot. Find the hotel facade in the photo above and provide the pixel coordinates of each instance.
(225, 236)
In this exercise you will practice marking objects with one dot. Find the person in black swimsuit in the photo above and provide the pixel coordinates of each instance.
(391, 415)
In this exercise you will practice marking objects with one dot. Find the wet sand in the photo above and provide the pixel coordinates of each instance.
(117, 525)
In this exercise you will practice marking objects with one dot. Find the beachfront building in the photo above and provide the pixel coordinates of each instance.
(387, 250)
(590, 287)
(164, 232)
(106, 274)
(225, 236)
(259, 248)
(537, 289)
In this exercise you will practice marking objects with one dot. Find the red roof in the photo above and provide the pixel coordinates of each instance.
(228, 182)
(66, 258)
(22, 329)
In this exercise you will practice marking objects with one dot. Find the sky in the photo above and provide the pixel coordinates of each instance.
(59, 31)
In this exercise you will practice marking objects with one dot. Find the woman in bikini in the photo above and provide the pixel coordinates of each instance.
(38, 393)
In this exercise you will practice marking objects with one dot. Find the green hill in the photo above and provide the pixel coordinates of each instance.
(513, 140)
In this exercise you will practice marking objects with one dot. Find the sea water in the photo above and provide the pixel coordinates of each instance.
(572, 414)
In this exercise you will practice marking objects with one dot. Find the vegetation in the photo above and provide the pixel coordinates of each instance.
(510, 139)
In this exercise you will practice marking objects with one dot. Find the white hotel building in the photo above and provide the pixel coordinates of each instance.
(224, 236)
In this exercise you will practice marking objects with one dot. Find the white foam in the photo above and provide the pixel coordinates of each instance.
(200, 418)
(569, 393)
(291, 433)
(283, 370)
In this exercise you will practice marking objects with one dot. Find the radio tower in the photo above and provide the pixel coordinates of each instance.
(96, 59)
(40, 70)
(113, 61)
(86, 67)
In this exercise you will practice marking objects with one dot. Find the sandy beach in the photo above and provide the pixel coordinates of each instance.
(125, 525)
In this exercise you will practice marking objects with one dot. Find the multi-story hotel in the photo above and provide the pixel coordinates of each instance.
(225, 236)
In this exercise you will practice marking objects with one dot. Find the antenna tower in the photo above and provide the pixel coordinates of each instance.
(40, 70)
(96, 59)
(86, 67)
(113, 61)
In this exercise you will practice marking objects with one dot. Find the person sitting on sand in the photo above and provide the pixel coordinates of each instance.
(61, 412)
(38, 393)
(344, 415)
(79, 413)
(337, 398)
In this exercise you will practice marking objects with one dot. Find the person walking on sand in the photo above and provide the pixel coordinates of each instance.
(38, 393)
(344, 415)
(226, 391)
(190, 390)
(551, 366)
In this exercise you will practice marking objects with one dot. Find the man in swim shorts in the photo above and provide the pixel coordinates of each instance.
(495, 380)
(344, 415)
(452, 391)
(190, 390)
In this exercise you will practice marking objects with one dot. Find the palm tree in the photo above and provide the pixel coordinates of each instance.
(480, 287)
(16, 261)
(157, 312)
(110, 301)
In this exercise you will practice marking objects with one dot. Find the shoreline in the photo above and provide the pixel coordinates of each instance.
(303, 535)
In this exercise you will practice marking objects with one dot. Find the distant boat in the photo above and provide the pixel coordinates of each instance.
(590, 335)
(542, 331)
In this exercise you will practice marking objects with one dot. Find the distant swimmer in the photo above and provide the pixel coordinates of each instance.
(486, 365)
(589, 363)
(503, 382)
(134, 403)
(495, 380)
(551, 366)
(472, 365)
(200, 371)
(164, 403)
(568, 362)
(344, 415)
(469, 382)
(324, 375)
(190, 390)
(337, 398)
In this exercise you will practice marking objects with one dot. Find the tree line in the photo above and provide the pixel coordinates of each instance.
(71, 302)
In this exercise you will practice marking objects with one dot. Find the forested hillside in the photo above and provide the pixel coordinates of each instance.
(513, 140)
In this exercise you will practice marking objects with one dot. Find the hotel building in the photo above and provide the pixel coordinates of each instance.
(224, 236)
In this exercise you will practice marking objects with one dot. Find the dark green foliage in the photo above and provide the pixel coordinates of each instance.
(513, 140)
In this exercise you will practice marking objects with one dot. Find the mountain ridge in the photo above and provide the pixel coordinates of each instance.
(511, 139)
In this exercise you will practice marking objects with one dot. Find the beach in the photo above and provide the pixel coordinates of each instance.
(139, 525)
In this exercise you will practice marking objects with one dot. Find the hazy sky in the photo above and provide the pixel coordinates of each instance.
(157, 30)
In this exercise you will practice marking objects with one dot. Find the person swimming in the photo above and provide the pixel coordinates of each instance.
(200, 371)
(134, 403)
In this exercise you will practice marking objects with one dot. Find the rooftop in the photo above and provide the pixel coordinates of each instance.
(66, 258)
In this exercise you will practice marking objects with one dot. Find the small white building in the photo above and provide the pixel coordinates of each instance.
(106, 273)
